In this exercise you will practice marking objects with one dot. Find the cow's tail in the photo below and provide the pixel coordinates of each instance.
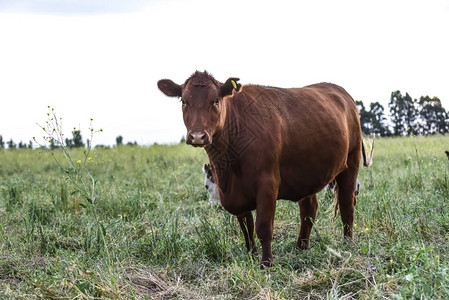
(368, 161)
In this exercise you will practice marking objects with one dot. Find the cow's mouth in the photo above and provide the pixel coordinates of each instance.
(197, 145)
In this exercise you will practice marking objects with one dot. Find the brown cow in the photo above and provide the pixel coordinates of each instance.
(267, 143)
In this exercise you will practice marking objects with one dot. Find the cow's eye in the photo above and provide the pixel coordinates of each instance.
(217, 102)
(183, 102)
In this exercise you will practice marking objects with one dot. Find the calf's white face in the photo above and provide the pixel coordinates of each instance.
(210, 185)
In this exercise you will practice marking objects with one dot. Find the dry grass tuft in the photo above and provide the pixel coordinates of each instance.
(152, 285)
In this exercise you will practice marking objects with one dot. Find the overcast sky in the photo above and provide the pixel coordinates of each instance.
(101, 59)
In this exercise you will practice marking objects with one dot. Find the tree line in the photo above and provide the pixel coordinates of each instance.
(12, 145)
(407, 116)
(75, 142)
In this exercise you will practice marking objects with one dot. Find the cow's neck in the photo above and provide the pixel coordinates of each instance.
(223, 141)
(225, 151)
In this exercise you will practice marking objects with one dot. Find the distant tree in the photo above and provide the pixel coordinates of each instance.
(68, 143)
(77, 139)
(403, 114)
(30, 145)
(132, 143)
(22, 145)
(119, 140)
(433, 116)
(11, 144)
(183, 139)
(2, 143)
(411, 115)
(443, 121)
(396, 112)
(378, 119)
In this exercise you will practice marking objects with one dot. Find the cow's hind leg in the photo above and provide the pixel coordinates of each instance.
(346, 189)
(246, 222)
(308, 207)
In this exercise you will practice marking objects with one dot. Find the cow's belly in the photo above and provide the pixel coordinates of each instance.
(309, 176)
(295, 190)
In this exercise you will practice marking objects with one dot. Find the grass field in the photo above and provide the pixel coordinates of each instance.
(149, 231)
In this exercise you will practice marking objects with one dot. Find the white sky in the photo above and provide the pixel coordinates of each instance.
(102, 59)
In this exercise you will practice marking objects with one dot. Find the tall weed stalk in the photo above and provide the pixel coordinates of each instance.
(77, 172)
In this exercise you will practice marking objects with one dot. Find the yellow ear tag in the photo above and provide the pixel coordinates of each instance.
(233, 84)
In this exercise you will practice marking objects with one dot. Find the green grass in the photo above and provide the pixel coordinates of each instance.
(151, 232)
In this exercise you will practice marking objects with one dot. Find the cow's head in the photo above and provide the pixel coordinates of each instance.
(202, 100)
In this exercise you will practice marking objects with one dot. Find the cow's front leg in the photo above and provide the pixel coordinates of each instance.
(246, 222)
(266, 207)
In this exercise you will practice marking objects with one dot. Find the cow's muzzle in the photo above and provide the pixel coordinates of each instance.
(198, 138)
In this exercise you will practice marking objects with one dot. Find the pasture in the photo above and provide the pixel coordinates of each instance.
(150, 233)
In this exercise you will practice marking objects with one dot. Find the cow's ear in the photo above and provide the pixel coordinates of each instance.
(229, 86)
(169, 88)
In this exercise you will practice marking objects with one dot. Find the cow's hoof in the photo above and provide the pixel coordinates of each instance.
(266, 264)
(348, 239)
(253, 251)
(303, 244)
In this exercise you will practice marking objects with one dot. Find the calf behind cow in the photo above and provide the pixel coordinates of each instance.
(210, 185)
(267, 143)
